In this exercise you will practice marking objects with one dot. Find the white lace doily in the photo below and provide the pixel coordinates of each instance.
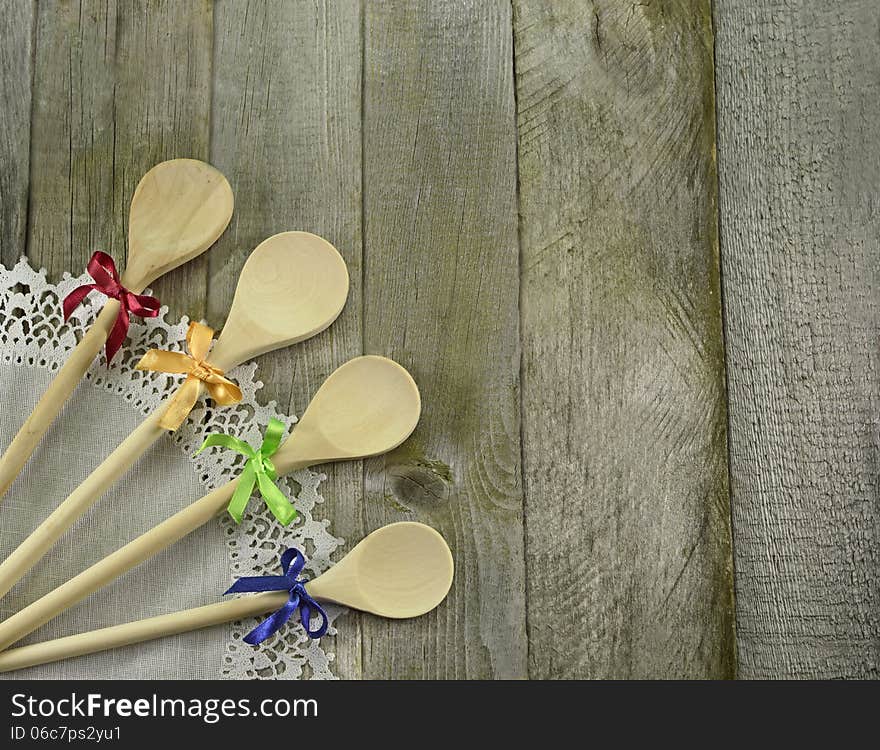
(33, 336)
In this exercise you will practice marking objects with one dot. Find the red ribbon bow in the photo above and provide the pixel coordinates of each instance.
(102, 269)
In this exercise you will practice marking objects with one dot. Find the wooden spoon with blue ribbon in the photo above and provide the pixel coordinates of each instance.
(292, 287)
(178, 211)
(400, 570)
(367, 407)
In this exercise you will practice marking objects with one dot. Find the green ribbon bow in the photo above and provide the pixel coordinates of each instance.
(258, 471)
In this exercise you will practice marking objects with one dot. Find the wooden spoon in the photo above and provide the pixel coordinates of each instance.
(291, 287)
(368, 406)
(401, 570)
(178, 211)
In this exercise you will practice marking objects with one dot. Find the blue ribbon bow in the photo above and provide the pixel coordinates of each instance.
(292, 563)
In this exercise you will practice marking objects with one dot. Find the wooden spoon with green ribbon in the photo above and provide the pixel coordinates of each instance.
(292, 287)
(367, 407)
(178, 211)
(400, 570)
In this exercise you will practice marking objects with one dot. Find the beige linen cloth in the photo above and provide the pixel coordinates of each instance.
(102, 411)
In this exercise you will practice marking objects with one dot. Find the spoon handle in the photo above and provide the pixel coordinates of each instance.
(59, 390)
(114, 565)
(138, 631)
(96, 484)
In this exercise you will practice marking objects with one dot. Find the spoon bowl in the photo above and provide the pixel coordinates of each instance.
(292, 286)
(179, 209)
(401, 570)
(367, 406)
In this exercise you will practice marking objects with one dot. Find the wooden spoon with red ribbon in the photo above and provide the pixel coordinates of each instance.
(178, 211)
(292, 287)
(366, 407)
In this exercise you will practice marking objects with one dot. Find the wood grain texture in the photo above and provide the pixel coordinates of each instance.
(286, 131)
(624, 439)
(16, 74)
(118, 87)
(799, 102)
(440, 297)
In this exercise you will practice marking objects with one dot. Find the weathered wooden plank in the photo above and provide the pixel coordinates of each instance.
(625, 458)
(799, 102)
(440, 296)
(287, 133)
(16, 76)
(162, 111)
(118, 87)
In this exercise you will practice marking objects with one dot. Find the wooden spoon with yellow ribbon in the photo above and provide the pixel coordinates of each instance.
(178, 211)
(367, 407)
(292, 287)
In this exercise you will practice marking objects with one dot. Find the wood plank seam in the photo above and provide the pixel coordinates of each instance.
(522, 375)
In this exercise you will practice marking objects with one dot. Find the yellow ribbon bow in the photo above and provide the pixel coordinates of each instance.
(197, 370)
